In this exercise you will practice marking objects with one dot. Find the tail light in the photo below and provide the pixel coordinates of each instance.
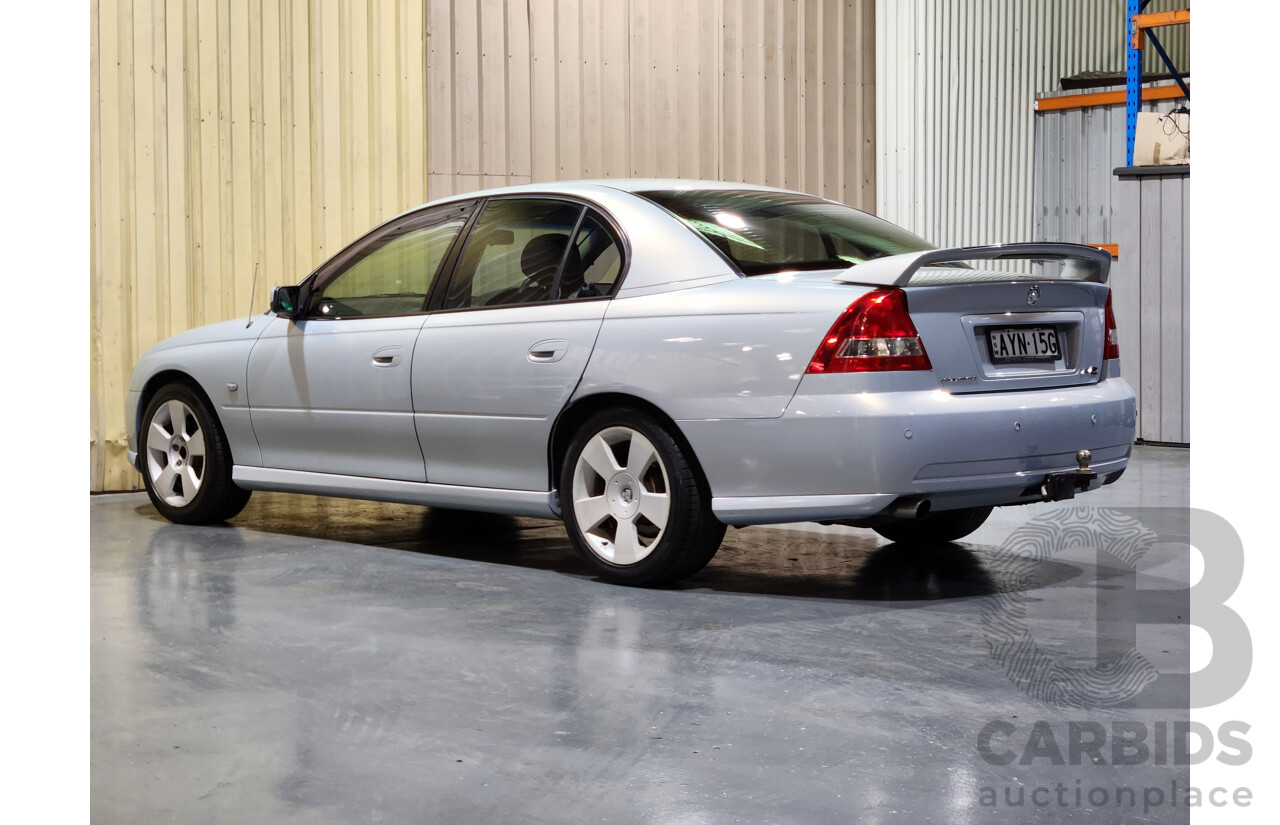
(874, 334)
(1111, 341)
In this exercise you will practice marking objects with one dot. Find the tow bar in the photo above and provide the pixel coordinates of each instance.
(1060, 486)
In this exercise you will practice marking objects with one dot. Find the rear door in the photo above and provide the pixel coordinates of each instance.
(499, 358)
(330, 392)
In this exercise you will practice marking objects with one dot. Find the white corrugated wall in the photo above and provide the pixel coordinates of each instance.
(955, 81)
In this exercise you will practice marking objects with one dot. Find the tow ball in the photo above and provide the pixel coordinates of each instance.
(1060, 486)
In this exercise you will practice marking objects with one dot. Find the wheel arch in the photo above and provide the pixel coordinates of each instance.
(579, 410)
(161, 379)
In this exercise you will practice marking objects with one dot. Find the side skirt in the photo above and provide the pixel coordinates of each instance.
(483, 499)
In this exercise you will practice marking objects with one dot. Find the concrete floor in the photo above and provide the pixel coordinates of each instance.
(333, 661)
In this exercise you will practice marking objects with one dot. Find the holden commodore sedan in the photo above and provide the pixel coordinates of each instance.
(651, 361)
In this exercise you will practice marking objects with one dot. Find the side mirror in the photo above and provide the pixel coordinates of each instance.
(286, 301)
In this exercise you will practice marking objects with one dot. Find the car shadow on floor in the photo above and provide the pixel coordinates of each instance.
(753, 560)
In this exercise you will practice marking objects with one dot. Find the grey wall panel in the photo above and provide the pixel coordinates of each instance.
(1149, 311)
(1078, 198)
(1173, 343)
(1075, 153)
(1187, 310)
(1126, 293)
(1150, 280)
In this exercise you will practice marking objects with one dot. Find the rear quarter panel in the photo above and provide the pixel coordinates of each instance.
(736, 349)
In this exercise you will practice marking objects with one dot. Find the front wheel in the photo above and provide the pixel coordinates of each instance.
(936, 528)
(186, 462)
(635, 507)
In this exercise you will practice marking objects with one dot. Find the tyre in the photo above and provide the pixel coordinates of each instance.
(937, 528)
(186, 462)
(635, 505)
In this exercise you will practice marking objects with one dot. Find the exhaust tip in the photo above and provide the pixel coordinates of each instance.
(910, 508)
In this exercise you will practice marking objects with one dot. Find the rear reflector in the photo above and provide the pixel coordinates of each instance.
(875, 334)
(1111, 343)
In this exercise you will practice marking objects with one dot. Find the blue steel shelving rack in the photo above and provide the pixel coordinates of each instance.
(1138, 28)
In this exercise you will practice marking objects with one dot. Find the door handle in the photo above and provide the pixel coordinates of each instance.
(388, 356)
(548, 352)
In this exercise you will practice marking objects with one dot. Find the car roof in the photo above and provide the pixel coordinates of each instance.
(648, 184)
(586, 188)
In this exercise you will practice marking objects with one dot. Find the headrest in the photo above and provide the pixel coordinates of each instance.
(544, 252)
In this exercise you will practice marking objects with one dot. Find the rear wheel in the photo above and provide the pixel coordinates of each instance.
(186, 462)
(635, 507)
(936, 528)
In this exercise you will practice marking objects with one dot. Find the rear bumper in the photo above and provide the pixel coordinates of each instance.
(744, 510)
(850, 454)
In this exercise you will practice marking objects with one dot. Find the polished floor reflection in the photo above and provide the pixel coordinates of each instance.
(321, 660)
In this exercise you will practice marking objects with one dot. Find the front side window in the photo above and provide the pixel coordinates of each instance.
(394, 274)
(514, 253)
(767, 232)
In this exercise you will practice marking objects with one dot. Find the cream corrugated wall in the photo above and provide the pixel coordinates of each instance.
(955, 81)
(770, 91)
(226, 133)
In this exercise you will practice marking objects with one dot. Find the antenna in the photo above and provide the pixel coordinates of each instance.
(252, 289)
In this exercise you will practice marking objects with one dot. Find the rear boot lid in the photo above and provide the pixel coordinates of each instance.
(1011, 335)
(987, 331)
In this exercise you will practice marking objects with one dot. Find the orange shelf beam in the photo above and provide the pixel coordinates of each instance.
(1049, 104)
(1113, 248)
(1155, 20)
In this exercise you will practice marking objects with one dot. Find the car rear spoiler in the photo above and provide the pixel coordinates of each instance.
(1081, 263)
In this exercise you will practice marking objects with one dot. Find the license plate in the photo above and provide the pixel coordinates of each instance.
(1022, 345)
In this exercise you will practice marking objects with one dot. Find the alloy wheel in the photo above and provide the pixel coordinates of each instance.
(175, 453)
(621, 495)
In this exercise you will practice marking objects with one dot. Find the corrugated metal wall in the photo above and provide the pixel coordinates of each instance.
(1152, 288)
(955, 81)
(769, 91)
(1073, 186)
(229, 132)
(1078, 198)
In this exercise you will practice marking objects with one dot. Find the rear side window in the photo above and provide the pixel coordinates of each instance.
(766, 232)
(513, 254)
(593, 267)
(519, 252)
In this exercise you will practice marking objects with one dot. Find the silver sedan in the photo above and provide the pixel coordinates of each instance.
(651, 361)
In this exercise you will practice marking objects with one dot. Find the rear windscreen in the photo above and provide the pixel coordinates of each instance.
(767, 232)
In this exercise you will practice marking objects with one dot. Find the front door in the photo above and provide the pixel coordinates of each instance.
(330, 392)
